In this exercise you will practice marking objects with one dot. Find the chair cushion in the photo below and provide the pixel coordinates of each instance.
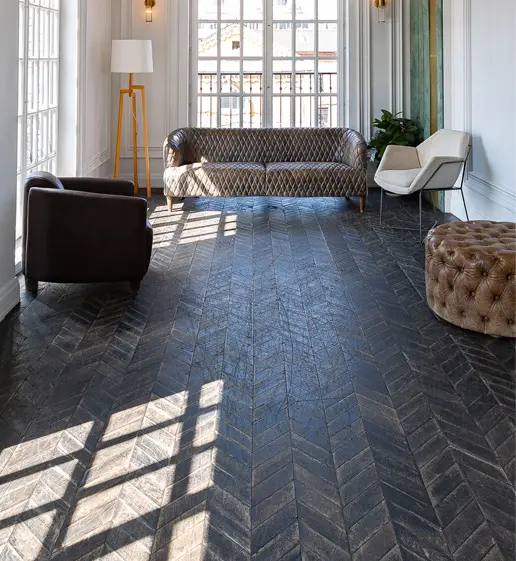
(397, 181)
(313, 179)
(210, 179)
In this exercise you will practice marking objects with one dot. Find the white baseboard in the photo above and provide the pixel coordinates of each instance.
(9, 297)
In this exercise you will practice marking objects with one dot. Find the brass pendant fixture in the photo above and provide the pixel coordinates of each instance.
(380, 5)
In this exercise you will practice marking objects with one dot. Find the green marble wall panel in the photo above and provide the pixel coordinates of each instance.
(420, 63)
(421, 68)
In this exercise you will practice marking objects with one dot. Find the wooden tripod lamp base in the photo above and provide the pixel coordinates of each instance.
(129, 57)
(131, 92)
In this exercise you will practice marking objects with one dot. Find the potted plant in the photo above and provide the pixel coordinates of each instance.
(392, 129)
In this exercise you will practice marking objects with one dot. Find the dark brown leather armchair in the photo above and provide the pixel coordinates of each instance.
(84, 230)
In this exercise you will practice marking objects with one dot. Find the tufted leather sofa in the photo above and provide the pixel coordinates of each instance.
(471, 275)
(260, 162)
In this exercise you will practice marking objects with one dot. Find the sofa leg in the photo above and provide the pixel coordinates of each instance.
(362, 203)
(31, 285)
(170, 203)
(135, 286)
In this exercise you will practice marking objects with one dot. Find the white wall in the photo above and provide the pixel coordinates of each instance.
(85, 88)
(9, 290)
(377, 70)
(95, 86)
(480, 86)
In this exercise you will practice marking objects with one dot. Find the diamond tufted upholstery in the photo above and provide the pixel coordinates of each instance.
(252, 162)
(471, 275)
(216, 179)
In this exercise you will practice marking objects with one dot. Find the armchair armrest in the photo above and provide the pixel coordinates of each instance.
(76, 236)
(174, 149)
(399, 158)
(354, 150)
(100, 186)
(440, 172)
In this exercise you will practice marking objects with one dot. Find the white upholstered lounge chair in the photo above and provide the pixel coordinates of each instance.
(435, 165)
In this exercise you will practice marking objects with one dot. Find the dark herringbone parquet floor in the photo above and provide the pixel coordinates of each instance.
(277, 391)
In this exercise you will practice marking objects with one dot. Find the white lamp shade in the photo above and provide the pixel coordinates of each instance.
(131, 56)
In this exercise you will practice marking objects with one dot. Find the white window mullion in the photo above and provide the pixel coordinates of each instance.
(219, 61)
(293, 99)
(316, 65)
(242, 108)
(268, 65)
(342, 79)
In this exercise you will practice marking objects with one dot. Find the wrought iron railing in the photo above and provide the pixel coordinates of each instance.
(241, 97)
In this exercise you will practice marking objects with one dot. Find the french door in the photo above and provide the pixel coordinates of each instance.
(275, 63)
(38, 83)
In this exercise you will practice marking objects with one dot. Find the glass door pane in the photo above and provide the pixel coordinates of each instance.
(37, 91)
(305, 52)
(267, 63)
(230, 63)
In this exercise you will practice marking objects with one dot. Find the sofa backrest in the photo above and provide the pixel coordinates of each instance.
(264, 145)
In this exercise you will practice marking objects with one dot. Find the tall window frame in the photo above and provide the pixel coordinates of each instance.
(38, 91)
(295, 90)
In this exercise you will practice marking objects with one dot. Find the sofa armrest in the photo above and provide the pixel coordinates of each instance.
(354, 150)
(74, 236)
(98, 185)
(174, 149)
(399, 158)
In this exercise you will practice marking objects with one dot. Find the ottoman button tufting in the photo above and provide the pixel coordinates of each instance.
(481, 250)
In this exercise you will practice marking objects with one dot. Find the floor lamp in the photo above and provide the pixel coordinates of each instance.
(132, 57)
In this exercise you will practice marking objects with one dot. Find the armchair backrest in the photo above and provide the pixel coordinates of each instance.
(446, 143)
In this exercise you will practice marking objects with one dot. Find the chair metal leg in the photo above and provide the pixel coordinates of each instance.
(421, 216)
(464, 201)
(381, 204)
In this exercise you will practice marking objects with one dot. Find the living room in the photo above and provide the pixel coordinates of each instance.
(258, 280)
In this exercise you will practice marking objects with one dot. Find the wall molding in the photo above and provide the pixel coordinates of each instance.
(397, 58)
(86, 167)
(366, 125)
(491, 191)
(81, 74)
(96, 161)
(9, 297)
(459, 91)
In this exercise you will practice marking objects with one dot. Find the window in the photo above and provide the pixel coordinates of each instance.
(37, 91)
(267, 63)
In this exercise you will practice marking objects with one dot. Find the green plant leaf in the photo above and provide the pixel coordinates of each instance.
(394, 129)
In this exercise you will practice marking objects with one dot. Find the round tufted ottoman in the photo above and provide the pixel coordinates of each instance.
(471, 275)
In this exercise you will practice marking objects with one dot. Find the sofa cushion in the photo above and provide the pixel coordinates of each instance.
(237, 179)
(313, 179)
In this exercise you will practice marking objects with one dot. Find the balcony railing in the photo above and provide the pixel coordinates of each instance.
(239, 98)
